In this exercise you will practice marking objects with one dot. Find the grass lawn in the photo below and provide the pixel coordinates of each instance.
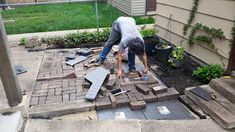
(66, 16)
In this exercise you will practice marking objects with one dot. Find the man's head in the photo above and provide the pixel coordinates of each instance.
(136, 46)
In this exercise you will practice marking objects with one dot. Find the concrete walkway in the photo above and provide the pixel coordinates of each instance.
(29, 60)
(123, 126)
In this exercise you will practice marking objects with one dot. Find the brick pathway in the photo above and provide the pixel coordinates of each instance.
(51, 90)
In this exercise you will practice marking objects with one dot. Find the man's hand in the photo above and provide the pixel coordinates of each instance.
(119, 64)
(145, 71)
(145, 64)
(119, 74)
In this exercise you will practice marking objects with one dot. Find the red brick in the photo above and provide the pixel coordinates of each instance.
(142, 88)
(139, 96)
(69, 91)
(159, 89)
(86, 84)
(44, 85)
(111, 83)
(70, 76)
(113, 100)
(150, 97)
(72, 83)
(133, 75)
(153, 85)
(128, 87)
(34, 100)
(72, 96)
(58, 91)
(51, 92)
(132, 97)
(103, 91)
(103, 103)
(171, 93)
(140, 82)
(65, 97)
(42, 100)
(65, 83)
(152, 80)
(137, 105)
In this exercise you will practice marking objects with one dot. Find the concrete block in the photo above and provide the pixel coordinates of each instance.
(216, 111)
(57, 109)
(225, 87)
(11, 122)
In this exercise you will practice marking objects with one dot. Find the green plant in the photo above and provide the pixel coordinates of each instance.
(75, 39)
(208, 72)
(23, 41)
(176, 54)
(191, 17)
(148, 32)
(211, 33)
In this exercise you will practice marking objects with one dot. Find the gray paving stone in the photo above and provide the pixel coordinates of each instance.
(97, 78)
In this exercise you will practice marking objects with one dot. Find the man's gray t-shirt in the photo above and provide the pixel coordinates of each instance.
(128, 29)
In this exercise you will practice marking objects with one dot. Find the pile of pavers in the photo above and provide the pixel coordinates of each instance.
(66, 78)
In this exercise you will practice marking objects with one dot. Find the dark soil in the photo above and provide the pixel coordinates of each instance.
(179, 78)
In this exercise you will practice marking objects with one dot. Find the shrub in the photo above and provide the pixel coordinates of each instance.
(23, 41)
(208, 72)
(75, 39)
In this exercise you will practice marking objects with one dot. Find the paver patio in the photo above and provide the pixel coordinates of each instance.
(54, 95)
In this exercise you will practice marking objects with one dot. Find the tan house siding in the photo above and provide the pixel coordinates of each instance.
(218, 14)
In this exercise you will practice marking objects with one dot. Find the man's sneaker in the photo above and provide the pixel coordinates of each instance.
(99, 62)
(132, 69)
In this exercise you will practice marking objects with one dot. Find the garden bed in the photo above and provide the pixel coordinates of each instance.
(179, 78)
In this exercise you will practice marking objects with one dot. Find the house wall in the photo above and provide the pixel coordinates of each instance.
(218, 14)
(131, 7)
(138, 7)
(123, 5)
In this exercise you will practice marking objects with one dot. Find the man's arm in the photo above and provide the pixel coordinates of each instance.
(145, 63)
(119, 64)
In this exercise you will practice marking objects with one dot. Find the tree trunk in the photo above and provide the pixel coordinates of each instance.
(231, 63)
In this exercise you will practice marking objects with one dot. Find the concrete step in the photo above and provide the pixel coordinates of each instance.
(219, 108)
(34, 125)
(11, 122)
(225, 87)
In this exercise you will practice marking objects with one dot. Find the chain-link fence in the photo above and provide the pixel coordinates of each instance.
(50, 18)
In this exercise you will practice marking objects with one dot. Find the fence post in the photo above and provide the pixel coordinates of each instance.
(97, 17)
(7, 74)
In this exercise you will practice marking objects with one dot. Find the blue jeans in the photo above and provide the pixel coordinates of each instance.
(114, 38)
